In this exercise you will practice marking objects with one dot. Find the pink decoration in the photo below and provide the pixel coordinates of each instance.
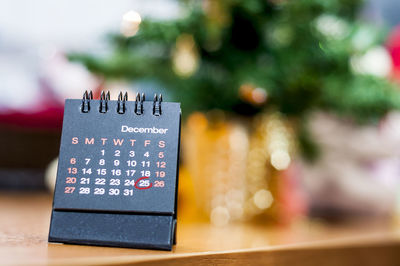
(393, 46)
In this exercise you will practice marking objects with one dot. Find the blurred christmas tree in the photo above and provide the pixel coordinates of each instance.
(247, 56)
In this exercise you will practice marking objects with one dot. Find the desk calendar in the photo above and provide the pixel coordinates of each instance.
(117, 174)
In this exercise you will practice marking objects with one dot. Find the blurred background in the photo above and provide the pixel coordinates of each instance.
(290, 107)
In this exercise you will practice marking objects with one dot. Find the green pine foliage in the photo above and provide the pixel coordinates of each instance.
(299, 51)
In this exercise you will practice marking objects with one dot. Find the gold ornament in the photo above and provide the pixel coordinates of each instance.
(253, 95)
(234, 163)
(270, 151)
(217, 19)
(215, 152)
(185, 57)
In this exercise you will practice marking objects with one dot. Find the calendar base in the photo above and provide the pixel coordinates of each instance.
(118, 230)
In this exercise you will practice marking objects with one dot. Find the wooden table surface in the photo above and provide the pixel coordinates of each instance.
(24, 224)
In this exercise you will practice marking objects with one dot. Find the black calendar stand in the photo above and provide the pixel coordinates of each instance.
(117, 175)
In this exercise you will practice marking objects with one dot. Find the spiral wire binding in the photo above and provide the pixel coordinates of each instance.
(122, 99)
(157, 104)
(139, 103)
(104, 98)
(87, 96)
(121, 102)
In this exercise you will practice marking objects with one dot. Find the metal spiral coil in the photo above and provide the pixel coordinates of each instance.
(104, 98)
(87, 96)
(122, 99)
(139, 103)
(157, 105)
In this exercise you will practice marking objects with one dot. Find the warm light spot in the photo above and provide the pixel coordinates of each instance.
(376, 61)
(280, 159)
(259, 96)
(263, 199)
(198, 121)
(220, 216)
(332, 26)
(130, 23)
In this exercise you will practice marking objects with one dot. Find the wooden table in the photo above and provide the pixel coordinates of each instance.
(24, 223)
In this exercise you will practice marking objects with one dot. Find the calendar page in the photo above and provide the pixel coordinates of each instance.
(118, 162)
